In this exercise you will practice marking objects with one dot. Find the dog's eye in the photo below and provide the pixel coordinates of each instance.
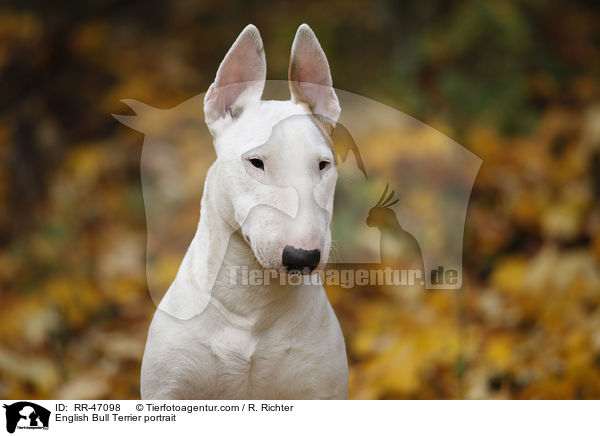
(257, 163)
(323, 164)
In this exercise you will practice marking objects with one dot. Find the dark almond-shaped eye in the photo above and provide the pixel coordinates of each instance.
(323, 164)
(258, 163)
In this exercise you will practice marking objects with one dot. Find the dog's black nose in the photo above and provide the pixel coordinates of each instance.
(299, 261)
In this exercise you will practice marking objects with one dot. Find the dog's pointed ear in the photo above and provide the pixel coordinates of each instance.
(310, 78)
(240, 78)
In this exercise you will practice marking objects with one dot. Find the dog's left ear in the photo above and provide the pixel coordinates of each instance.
(240, 78)
(310, 78)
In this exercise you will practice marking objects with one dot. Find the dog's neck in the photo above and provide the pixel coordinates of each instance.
(245, 302)
(211, 273)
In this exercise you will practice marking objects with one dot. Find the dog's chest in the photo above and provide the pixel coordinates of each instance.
(219, 355)
(266, 366)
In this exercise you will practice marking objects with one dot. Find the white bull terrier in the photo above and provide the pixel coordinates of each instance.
(267, 205)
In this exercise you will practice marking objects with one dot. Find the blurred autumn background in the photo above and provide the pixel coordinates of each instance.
(514, 82)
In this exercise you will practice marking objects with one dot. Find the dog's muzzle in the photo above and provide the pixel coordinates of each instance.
(299, 261)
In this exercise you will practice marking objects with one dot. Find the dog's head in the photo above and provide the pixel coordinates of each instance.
(275, 161)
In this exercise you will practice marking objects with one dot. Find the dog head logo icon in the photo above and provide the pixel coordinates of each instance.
(26, 415)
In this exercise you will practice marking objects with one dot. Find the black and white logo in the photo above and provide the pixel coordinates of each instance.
(26, 415)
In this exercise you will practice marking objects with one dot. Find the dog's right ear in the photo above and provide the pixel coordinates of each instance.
(240, 78)
(310, 78)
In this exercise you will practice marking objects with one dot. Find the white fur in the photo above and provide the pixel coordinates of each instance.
(210, 339)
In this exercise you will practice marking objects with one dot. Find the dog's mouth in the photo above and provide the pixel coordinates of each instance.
(300, 261)
(291, 261)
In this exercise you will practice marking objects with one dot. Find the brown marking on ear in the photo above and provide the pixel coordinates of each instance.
(325, 129)
(324, 125)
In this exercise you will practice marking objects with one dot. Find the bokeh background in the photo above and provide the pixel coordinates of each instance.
(514, 82)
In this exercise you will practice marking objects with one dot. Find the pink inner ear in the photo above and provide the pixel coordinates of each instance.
(223, 99)
(245, 63)
(242, 73)
(321, 99)
(309, 64)
(239, 72)
(309, 76)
